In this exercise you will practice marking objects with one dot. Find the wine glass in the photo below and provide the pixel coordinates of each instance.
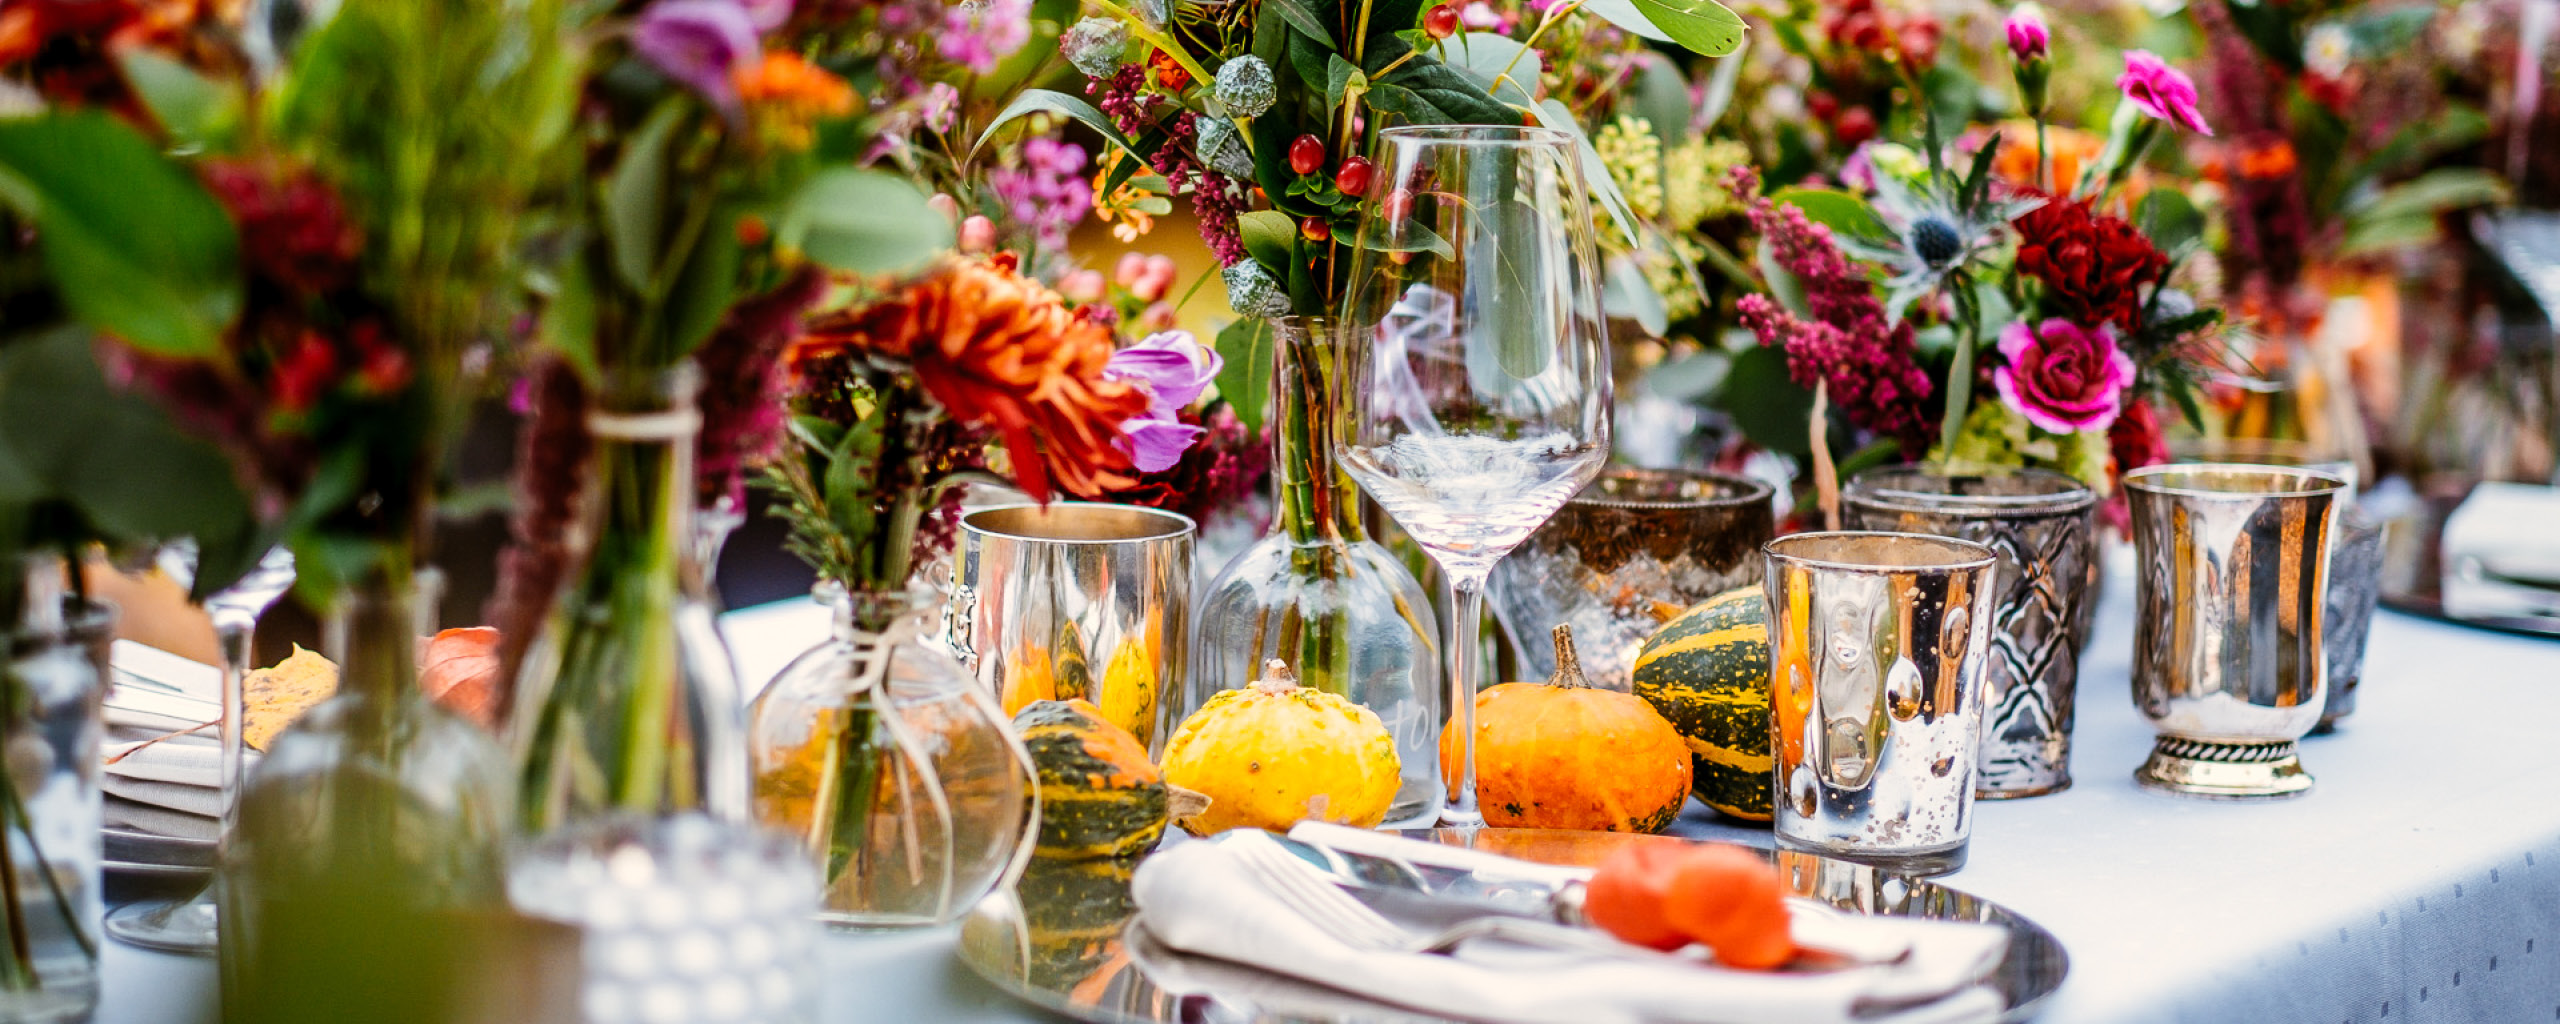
(1475, 393)
(188, 925)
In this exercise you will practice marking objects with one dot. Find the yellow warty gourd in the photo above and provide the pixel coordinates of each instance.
(1275, 753)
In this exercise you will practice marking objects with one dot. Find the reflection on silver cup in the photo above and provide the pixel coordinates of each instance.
(2229, 608)
(1631, 552)
(2041, 525)
(1878, 642)
(1074, 601)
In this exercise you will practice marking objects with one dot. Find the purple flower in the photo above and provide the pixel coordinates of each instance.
(2063, 377)
(979, 33)
(1174, 368)
(2029, 39)
(1047, 192)
(700, 43)
(2163, 92)
(939, 106)
(767, 15)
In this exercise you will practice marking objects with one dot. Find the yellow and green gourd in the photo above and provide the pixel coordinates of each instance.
(1099, 795)
(1708, 673)
(1273, 753)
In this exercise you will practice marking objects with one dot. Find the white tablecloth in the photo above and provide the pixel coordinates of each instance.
(2419, 881)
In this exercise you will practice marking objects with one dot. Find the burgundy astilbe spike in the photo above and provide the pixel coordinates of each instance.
(741, 401)
(551, 464)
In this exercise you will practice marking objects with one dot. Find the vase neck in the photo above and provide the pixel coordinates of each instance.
(855, 613)
(38, 595)
(1315, 501)
(372, 629)
(645, 427)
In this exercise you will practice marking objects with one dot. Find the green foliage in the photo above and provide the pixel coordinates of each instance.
(1769, 406)
(1245, 379)
(1045, 101)
(865, 221)
(134, 244)
(196, 111)
(1848, 216)
(1703, 26)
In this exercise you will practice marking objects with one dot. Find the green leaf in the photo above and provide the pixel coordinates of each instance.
(1692, 378)
(135, 244)
(1342, 79)
(1270, 236)
(1625, 293)
(196, 111)
(1661, 96)
(569, 318)
(117, 458)
(1505, 69)
(1625, 15)
(1034, 101)
(2369, 235)
(864, 221)
(1553, 113)
(1783, 285)
(635, 199)
(1770, 407)
(703, 289)
(1979, 178)
(2438, 191)
(1846, 215)
(1705, 27)
(1304, 19)
(2170, 219)
(1426, 91)
(1245, 379)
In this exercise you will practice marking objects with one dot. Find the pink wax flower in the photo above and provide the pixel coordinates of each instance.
(2063, 377)
(2163, 92)
(2029, 39)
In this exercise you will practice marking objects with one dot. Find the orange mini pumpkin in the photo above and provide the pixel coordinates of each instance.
(1561, 754)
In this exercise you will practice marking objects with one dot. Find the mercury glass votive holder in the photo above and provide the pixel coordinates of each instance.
(1075, 601)
(684, 920)
(1629, 553)
(2042, 526)
(1878, 642)
(2230, 603)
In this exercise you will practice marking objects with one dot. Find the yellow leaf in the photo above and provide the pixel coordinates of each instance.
(274, 697)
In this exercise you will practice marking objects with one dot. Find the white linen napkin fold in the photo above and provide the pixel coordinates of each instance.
(154, 694)
(1198, 898)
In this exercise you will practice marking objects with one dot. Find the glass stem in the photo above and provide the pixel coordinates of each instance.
(1466, 624)
(236, 633)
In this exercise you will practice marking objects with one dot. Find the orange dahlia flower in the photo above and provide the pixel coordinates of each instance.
(1001, 351)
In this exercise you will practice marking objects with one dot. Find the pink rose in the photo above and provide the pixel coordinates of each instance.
(2028, 36)
(2163, 92)
(2063, 377)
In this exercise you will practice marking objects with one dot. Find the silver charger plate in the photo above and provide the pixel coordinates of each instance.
(1067, 939)
(149, 842)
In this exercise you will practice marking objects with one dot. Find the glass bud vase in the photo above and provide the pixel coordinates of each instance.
(51, 726)
(1317, 593)
(629, 701)
(370, 820)
(881, 753)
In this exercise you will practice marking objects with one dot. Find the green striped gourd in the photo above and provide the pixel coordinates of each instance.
(1708, 673)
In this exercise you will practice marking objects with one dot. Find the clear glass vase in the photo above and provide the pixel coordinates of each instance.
(629, 700)
(370, 820)
(1317, 593)
(898, 772)
(51, 726)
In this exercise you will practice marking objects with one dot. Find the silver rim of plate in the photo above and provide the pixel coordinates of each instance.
(1106, 976)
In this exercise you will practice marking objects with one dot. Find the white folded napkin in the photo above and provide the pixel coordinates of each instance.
(154, 694)
(1199, 898)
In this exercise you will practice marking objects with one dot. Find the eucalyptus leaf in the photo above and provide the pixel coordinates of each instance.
(1661, 96)
(196, 111)
(1304, 19)
(1033, 101)
(1847, 215)
(1625, 294)
(1246, 348)
(134, 243)
(635, 199)
(1426, 91)
(2170, 219)
(864, 221)
(2437, 191)
(1692, 378)
(1625, 15)
(1507, 70)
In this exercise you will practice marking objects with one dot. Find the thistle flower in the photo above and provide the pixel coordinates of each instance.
(1938, 232)
(1095, 45)
(1223, 148)
(1252, 292)
(1245, 86)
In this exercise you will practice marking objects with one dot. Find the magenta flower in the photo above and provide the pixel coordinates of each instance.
(700, 43)
(2163, 92)
(2063, 377)
(977, 34)
(2029, 39)
(1174, 368)
(1048, 193)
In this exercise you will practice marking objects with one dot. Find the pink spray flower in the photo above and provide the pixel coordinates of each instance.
(2063, 377)
(2029, 39)
(2163, 92)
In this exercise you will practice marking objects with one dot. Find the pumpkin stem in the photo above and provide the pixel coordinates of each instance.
(1184, 803)
(1276, 678)
(1568, 665)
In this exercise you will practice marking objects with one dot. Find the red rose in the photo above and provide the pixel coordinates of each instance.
(2094, 266)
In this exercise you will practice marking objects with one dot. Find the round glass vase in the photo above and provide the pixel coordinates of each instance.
(1317, 593)
(51, 726)
(629, 701)
(883, 756)
(368, 823)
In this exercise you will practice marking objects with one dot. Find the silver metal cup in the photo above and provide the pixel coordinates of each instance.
(1635, 549)
(2041, 525)
(2229, 607)
(2355, 555)
(1878, 642)
(1075, 601)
